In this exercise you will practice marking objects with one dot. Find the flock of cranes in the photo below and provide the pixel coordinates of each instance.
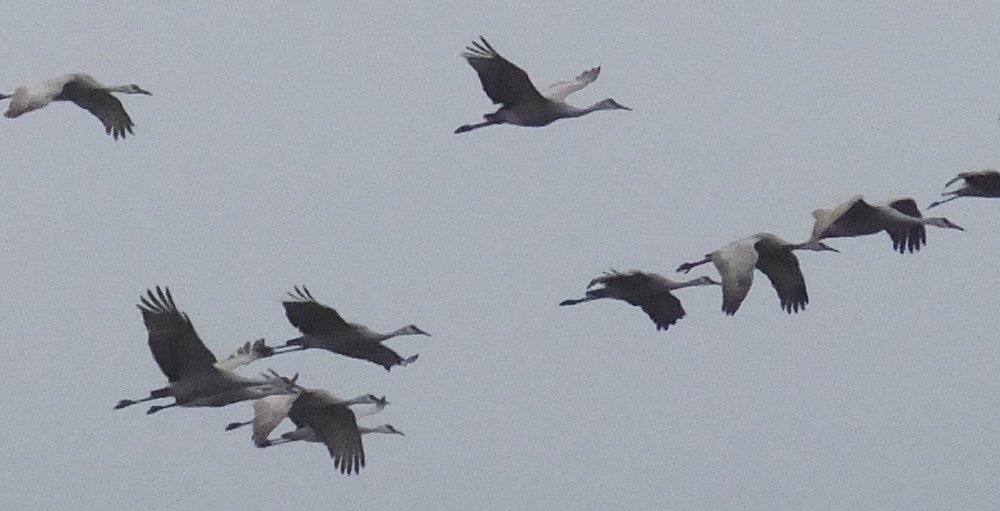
(196, 378)
(775, 258)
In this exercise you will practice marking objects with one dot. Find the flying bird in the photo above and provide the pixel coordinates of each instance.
(900, 218)
(521, 103)
(649, 291)
(771, 255)
(318, 417)
(194, 375)
(985, 183)
(322, 327)
(86, 92)
(270, 411)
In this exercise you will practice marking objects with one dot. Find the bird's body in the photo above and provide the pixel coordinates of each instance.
(194, 375)
(900, 218)
(86, 92)
(322, 327)
(772, 256)
(521, 103)
(984, 183)
(649, 291)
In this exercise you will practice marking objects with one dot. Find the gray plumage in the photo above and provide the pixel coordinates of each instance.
(984, 183)
(191, 369)
(900, 218)
(771, 255)
(87, 93)
(521, 103)
(649, 291)
(322, 327)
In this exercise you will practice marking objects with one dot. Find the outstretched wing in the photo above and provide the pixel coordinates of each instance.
(175, 345)
(856, 220)
(310, 316)
(646, 292)
(268, 412)
(986, 180)
(782, 269)
(102, 104)
(907, 236)
(503, 82)
(373, 352)
(560, 90)
(336, 425)
(735, 263)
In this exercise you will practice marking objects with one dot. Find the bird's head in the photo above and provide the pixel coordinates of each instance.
(610, 104)
(372, 399)
(135, 89)
(412, 330)
(388, 428)
(944, 223)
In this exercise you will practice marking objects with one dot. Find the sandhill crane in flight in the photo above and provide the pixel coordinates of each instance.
(322, 327)
(318, 417)
(771, 255)
(195, 377)
(521, 103)
(900, 218)
(86, 92)
(985, 183)
(649, 291)
(270, 411)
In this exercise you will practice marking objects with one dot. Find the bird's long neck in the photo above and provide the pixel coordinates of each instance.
(691, 283)
(377, 429)
(810, 244)
(397, 332)
(572, 111)
(363, 399)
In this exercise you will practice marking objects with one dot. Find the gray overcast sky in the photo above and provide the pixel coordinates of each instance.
(308, 143)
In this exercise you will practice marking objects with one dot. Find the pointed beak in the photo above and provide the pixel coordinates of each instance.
(146, 92)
